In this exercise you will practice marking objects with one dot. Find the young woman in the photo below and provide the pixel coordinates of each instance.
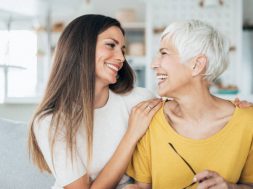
(196, 140)
(80, 132)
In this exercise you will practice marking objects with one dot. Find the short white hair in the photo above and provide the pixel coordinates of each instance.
(194, 37)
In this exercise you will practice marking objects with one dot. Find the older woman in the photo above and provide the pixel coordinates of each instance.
(196, 139)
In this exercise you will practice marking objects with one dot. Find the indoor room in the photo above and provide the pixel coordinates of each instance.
(30, 30)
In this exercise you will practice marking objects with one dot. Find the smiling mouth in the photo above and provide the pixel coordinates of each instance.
(161, 78)
(113, 67)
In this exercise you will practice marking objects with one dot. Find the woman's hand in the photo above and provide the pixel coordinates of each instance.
(141, 115)
(138, 185)
(242, 103)
(210, 179)
(131, 186)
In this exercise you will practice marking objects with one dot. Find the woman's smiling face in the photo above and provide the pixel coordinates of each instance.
(110, 51)
(171, 74)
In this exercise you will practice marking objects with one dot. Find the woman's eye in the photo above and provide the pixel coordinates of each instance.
(111, 45)
(163, 53)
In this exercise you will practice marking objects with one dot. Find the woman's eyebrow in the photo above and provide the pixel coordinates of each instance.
(161, 49)
(117, 42)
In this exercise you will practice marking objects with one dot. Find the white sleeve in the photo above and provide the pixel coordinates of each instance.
(64, 170)
(136, 96)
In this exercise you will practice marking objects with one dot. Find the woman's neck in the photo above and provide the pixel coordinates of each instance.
(193, 104)
(198, 115)
(189, 108)
(101, 96)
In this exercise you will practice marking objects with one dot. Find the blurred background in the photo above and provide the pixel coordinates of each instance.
(29, 30)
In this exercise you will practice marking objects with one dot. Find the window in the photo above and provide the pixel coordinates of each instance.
(18, 64)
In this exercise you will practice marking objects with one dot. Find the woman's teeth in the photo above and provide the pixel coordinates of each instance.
(161, 77)
(113, 67)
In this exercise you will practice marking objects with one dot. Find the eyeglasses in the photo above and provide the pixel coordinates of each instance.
(188, 165)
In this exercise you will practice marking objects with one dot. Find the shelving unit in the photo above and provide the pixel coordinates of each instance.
(248, 97)
(138, 61)
(222, 17)
(134, 26)
(136, 50)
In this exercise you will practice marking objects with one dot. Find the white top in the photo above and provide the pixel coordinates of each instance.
(110, 124)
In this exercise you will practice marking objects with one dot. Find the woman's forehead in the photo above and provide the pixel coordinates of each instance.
(166, 43)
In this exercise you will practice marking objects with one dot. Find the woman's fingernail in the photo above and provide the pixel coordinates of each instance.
(194, 179)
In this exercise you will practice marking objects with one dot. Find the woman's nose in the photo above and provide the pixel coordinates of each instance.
(119, 55)
(155, 63)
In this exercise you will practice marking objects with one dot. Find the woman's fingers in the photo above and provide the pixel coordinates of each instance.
(131, 186)
(146, 102)
(236, 101)
(203, 178)
(155, 108)
(245, 104)
(210, 182)
(151, 106)
(146, 106)
(141, 115)
(242, 103)
(210, 179)
(204, 174)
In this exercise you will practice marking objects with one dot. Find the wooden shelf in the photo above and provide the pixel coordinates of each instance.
(248, 97)
(134, 26)
(136, 60)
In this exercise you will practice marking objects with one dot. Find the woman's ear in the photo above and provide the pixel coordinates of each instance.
(199, 65)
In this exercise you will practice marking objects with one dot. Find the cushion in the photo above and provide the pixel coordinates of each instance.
(16, 171)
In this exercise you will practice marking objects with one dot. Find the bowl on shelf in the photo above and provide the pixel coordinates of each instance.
(126, 15)
(136, 49)
(227, 91)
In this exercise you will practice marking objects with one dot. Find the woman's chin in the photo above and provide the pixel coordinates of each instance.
(160, 91)
(113, 81)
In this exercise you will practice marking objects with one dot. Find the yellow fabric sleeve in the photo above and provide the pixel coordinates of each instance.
(247, 173)
(139, 166)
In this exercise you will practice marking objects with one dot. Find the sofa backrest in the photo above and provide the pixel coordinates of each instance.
(16, 171)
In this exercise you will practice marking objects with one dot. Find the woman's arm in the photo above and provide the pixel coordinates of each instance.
(243, 186)
(114, 170)
(81, 183)
(139, 120)
(138, 185)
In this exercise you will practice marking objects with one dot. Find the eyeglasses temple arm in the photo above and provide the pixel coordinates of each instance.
(171, 145)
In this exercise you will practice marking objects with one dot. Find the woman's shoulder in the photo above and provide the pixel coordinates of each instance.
(245, 114)
(42, 124)
(243, 119)
(43, 119)
(139, 92)
(136, 95)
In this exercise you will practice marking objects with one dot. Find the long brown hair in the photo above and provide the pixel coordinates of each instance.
(70, 91)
